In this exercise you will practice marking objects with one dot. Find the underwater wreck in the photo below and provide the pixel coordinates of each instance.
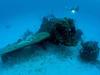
(62, 30)
(89, 51)
(13, 49)
(58, 31)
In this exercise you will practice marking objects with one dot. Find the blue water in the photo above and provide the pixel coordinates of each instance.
(16, 16)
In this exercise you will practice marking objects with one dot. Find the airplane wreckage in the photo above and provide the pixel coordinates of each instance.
(58, 31)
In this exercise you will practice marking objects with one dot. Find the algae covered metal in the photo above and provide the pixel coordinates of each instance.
(33, 39)
(54, 30)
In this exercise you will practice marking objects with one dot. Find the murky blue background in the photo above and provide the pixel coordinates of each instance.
(16, 16)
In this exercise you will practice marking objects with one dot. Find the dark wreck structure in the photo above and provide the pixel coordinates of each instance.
(57, 31)
(89, 51)
(61, 30)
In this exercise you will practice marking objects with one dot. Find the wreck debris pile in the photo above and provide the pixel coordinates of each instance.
(89, 51)
(17, 47)
(58, 31)
(63, 31)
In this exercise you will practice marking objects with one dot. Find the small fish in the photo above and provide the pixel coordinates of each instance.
(7, 26)
(74, 9)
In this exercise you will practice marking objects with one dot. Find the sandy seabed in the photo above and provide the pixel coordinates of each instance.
(51, 63)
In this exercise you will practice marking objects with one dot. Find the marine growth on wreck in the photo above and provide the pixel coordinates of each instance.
(62, 30)
(89, 51)
(57, 31)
